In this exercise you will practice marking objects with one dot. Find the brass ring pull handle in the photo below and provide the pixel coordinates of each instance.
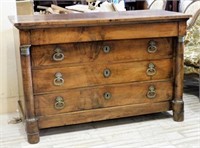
(58, 55)
(107, 95)
(59, 103)
(106, 49)
(106, 73)
(151, 69)
(58, 80)
(152, 47)
(151, 92)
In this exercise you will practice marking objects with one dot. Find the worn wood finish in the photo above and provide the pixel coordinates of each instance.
(92, 75)
(182, 28)
(96, 19)
(81, 38)
(178, 104)
(24, 36)
(30, 118)
(102, 114)
(81, 53)
(93, 98)
(100, 33)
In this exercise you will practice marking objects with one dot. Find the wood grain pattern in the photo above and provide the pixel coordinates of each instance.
(99, 33)
(81, 37)
(98, 18)
(102, 114)
(80, 53)
(27, 84)
(32, 128)
(24, 36)
(92, 75)
(178, 103)
(93, 98)
(182, 28)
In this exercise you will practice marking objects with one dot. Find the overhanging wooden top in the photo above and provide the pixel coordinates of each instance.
(96, 18)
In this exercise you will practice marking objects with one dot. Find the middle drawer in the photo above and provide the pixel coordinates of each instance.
(47, 80)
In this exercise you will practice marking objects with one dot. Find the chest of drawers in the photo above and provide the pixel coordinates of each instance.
(79, 68)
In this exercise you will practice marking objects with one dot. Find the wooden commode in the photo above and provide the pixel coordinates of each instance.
(86, 67)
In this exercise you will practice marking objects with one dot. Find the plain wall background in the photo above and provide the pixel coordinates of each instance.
(8, 73)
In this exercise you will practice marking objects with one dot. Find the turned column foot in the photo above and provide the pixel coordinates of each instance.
(33, 138)
(32, 131)
(178, 110)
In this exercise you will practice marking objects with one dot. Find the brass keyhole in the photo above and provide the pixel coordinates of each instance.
(107, 95)
(106, 49)
(106, 73)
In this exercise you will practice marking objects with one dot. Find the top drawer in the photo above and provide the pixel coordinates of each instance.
(106, 52)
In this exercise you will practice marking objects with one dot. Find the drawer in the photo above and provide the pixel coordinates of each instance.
(120, 31)
(108, 51)
(103, 96)
(54, 79)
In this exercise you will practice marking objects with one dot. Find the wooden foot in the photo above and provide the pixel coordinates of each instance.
(32, 131)
(33, 139)
(178, 110)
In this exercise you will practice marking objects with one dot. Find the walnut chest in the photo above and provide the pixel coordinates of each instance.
(88, 67)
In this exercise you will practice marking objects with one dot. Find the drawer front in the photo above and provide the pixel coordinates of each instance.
(109, 51)
(108, 32)
(47, 80)
(101, 97)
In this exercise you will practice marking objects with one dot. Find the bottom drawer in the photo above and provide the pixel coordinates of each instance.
(102, 97)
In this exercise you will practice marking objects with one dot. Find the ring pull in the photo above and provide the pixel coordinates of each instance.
(151, 69)
(106, 49)
(106, 73)
(152, 47)
(59, 103)
(151, 92)
(58, 80)
(107, 95)
(58, 55)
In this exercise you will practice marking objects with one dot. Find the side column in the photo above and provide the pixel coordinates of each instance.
(30, 119)
(177, 103)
